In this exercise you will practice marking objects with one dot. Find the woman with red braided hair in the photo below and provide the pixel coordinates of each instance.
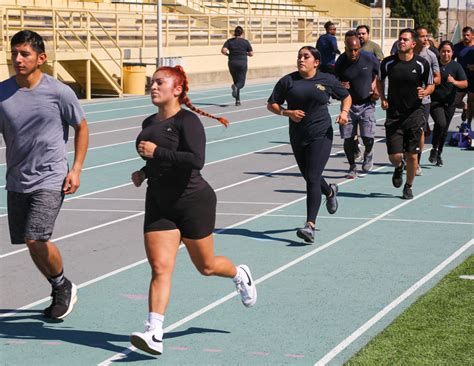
(180, 205)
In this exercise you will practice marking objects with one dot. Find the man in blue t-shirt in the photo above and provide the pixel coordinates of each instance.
(464, 55)
(357, 70)
(36, 111)
(327, 47)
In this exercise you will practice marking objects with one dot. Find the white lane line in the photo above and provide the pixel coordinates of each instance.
(355, 218)
(148, 105)
(387, 309)
(111, 199)
(78, 233)
(115, 221)
(222, 300)
(210, 163)
(101, 210)
(147, 97)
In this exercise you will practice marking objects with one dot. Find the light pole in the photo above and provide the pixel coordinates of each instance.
(159, 34)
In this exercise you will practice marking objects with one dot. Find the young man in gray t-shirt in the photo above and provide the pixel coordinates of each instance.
(422, 49)
(36, 111)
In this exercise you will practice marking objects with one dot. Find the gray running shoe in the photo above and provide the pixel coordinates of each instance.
(357, 154)
(407, 193)
(368, 163)
(63, 299)
(331, 202)
(306, 233)
(397, 177)
(352, 173)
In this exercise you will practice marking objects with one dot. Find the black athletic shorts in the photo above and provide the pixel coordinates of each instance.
(32, 215)
(193, 215)
(403, 133)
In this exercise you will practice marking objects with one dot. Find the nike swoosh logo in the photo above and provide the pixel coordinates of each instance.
(250, 282)
(155, 340)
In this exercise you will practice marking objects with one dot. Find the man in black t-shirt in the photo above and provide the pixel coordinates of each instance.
(410, 80)
(357, 70)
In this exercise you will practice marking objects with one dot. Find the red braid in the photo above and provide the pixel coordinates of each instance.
(181, 79)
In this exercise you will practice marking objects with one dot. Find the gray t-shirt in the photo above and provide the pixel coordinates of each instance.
(433, 61)
(35, 124)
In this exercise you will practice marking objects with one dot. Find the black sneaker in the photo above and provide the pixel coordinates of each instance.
(439, 161)
(397, 177)
(331, 202)
(433, 156)
(407, 192)
(306, 233)
(63, 299)
(237, 103)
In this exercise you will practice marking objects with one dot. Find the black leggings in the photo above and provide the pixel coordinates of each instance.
(442, 114)
(312, 160)
(238, 70)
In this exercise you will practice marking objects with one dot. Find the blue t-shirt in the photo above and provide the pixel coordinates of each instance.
(359, 74)
(311, 96)
(35, 124)
(327, 47)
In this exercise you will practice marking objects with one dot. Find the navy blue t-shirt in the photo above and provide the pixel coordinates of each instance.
(238, 48)
(312, 97)
(327, 47)
(446, 92)
(359, 74)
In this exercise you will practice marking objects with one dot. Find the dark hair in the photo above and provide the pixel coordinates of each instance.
(446, 43)
(180, 78)
(350, 33)
(29, 37)
(363, 26)
(419, 28)
(313, 51)
(238, 31)
(408, 30)
(467, 29)
(328, 24)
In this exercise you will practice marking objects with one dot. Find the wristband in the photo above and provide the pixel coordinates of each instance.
(281, 111)
(344, 111)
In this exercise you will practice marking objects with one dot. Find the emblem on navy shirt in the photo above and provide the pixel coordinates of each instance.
(320, 87)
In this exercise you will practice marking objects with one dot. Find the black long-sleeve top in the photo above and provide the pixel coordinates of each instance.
(174, 170)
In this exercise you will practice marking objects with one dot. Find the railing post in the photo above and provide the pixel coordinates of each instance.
(117, 28)
(189, 30)
(261, 30)
(88, 79)
(209, 30)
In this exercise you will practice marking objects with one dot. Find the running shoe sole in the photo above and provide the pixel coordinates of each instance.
(302, 235)
(71, 303)
(141, 344)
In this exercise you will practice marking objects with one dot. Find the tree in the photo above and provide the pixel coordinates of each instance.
(424, 12)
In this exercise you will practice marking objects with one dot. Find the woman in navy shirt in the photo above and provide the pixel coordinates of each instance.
(237, 49)
(307, 93)
(443, 98)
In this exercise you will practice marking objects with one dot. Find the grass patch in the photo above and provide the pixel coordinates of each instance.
(438, 329)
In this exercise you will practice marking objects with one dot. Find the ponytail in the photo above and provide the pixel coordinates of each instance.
(181, 79)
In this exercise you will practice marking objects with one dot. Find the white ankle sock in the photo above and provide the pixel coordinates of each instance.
(156, 320)
(238, 277)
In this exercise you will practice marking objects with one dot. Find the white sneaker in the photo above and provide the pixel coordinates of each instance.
(418, 172)
(150, 341)
(246, 287)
